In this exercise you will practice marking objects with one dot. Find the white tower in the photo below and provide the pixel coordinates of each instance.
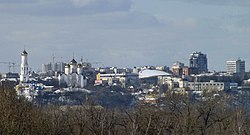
(24, 76)
(67, 69)
(79, 69)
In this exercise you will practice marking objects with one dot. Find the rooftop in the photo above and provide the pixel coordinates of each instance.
(152, 73)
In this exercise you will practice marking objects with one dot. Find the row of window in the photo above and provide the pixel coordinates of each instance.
(206, 84)
(24, 68)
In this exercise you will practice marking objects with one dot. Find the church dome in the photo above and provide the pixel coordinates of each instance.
(24, 53)
(79, 65)
(73, 61)
(67, 66)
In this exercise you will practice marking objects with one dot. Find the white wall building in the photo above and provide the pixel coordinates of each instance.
(120, 78)
(208, 86)
(236, 66)
(173, 82)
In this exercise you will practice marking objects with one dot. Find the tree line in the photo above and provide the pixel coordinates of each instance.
(177, 115)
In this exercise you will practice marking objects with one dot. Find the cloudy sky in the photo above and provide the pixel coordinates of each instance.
(125, 33)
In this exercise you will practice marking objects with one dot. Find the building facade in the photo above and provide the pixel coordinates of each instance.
(208, 86)
(46, 68)
(198, 63)
(177, 68)
(59, 66)
(236, 66)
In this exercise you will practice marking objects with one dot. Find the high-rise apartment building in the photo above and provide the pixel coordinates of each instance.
(236, 66)
(198, 63)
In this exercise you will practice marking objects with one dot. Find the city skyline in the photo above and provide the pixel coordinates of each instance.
(138, 32)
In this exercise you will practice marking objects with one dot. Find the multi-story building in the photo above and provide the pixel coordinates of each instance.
(198, 63)
(122, 79)
(236, 66)
(209, 86)
(59, 66)
(46, 68)
(186, 70)
(177, 68)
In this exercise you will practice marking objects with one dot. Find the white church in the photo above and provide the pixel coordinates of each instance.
(73, 75)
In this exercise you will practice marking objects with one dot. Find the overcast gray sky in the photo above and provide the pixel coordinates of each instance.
(125, 33)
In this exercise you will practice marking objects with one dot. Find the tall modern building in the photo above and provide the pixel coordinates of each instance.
(236, 66)
(198, 63)
(24, 76)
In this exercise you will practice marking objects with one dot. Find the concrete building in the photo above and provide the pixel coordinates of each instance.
(186, 71)
(53, 68)
(198, 63)
(59, 66)
(173, 82)
(46, 68)
(123, 79)
(24, 76)
(136, 70)
(177, 68)
(236, 66)
(208, 86)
